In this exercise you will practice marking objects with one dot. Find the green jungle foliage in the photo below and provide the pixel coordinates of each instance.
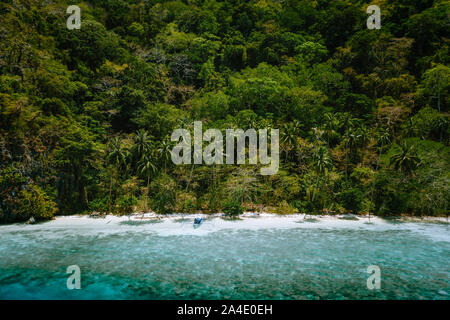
(86, 115)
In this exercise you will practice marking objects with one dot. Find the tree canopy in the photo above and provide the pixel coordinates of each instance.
(86, 114)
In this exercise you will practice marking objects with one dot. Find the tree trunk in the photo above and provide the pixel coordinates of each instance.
(146, 196)
(109, 200)
(346, 161)
(375, 177)
(190, 177)
(317, 188)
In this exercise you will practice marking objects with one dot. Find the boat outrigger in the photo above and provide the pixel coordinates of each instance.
(198, 222)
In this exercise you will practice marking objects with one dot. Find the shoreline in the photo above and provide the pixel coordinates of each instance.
(152, 215)
(182, 224)
(245, 217)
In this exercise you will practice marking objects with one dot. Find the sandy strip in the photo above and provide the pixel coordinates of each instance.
(182, 224)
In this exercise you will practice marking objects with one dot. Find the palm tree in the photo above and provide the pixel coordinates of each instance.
(118, 154)
(364, 134)
(297, 125)
(142, 144)
(146, 167)
(318, 135)
(289, 136)
(164, 152)
(196, 153)
(406, 159)
(116, 157)
(383, 139)
(330, 126)
(322, 162)
(351, 139)
(346, 123)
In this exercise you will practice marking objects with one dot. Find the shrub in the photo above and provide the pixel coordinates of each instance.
(186, 203)
(428, 123)
(300, 205)
(362, 176)
(98, 205)
(33, 202)
(164, 191)
(21, 199)
(367, 206)
(285, 208)
(125, 204)
(232, 208)
(351, 199)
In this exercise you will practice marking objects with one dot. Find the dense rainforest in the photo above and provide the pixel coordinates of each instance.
(86, 114)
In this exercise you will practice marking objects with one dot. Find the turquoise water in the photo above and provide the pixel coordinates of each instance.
(253, 258)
